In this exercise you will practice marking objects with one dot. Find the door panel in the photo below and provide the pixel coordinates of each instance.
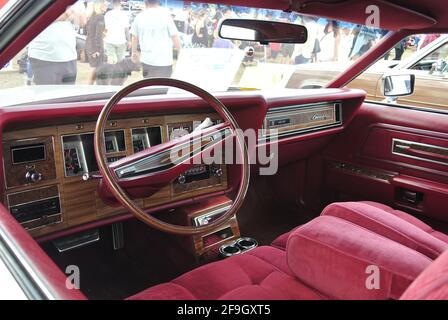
(362, 163)
(379, 145)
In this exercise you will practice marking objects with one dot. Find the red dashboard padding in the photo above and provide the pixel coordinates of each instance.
(345, 261)
(392, 224)
(431, 284)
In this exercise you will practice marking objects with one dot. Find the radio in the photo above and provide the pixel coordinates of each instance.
(36, 208)
(200, 172)
(199, 177)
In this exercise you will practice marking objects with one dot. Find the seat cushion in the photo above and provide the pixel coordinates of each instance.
(393, 224)
(261, 273)
(431, 284)
(345, 261)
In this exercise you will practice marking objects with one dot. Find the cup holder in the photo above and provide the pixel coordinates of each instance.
(229, 250)
(239, 246)
(246, 243)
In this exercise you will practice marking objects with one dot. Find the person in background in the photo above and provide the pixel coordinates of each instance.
(274, 49)
(219, 42)
(95, 34)
(117, 38)
(427, 39)
(53, 53)
(346, 43)
(303, 53)
(200, 35)
(156, 34)
(329, 44)
(399, 49)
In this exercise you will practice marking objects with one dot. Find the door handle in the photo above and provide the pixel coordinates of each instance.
(423, 154)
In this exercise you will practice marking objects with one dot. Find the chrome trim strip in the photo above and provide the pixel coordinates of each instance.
(94, 237)
(29, 202)
(212, 213)
(20, 267)
(396, 141)
(161, 162)
(8, 280)
(301, 106)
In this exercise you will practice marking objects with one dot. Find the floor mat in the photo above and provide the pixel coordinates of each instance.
(106, 273)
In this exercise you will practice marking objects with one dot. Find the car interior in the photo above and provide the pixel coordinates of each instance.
(360, 185)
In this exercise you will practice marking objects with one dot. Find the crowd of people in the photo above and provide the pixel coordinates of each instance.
(150, 41)
(120, 41)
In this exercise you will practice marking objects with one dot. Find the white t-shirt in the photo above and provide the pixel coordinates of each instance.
(345, 47)
(327, 46)
(116, 23)
(57, 43)
(154, 28)
(306, 49)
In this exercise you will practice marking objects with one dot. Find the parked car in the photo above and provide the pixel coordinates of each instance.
(430, 86)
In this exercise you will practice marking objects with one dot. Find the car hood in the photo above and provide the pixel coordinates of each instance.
(381, 65)
(40, 94)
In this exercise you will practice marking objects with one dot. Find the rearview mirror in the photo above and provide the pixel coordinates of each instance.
(398, 85)
(262, 31)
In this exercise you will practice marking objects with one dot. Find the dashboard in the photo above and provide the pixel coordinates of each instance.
(47, 150)
(46, 167)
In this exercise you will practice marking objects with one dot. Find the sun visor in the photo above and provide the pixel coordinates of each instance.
(375, 13)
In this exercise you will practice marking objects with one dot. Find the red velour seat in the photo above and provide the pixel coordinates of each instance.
(393, 224)
(431, 284)
(261, 273)
(327, 258)
(345, 261)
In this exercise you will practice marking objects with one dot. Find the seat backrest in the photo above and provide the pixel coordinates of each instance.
(431, 284)
(384, 221)
(342, 260)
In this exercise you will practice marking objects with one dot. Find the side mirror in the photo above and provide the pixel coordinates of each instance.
(398, 85)
(263, 32)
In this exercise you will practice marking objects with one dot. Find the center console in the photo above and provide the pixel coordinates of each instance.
(224, 241)
(206, 246)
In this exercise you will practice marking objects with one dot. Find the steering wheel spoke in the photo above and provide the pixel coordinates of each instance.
(160, 165)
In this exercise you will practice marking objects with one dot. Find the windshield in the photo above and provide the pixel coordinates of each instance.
(98, 45)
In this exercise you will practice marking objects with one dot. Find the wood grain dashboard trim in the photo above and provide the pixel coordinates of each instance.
(15, 175)
(79, 199)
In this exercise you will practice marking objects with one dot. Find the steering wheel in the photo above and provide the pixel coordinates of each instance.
(145, 172)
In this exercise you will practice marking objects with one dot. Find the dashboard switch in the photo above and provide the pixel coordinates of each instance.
(182, 179)
(217, 171)
(33, 176)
